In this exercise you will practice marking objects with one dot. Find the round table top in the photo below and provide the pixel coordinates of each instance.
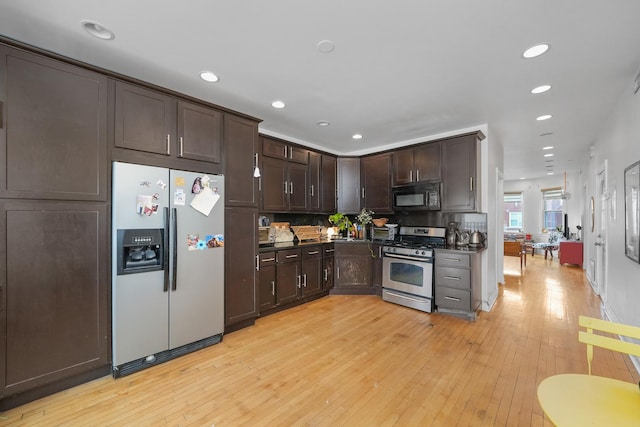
(589, 400)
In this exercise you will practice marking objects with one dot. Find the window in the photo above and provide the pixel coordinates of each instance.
(552, 204)
(513, 208)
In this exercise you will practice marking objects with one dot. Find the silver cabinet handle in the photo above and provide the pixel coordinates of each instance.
(290, 152)
(453, 259)
(257, 262)
(326, 275)
(417, 175)
(379, 251)
(452, 298)
(285, 151)
(273, 288)
(286, 186)
(181, 146)
(291, 256)
(291, 187)
(470, 183)
(298, 281)
(268, 259)
(411, 176)
(338, 272)
(452, 278)
(313, 252)
(326, 251)
(304, 283)
(363, 192)
(168, 144)
(312, 195)
(260, 184)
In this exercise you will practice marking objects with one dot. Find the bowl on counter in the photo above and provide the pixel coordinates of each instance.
(380, 222)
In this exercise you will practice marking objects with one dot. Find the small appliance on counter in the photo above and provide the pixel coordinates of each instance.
(266, 235)
(388, 232)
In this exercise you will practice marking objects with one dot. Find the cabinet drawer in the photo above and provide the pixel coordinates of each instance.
(288, 255)
(328, 250)
(311, 252)
(267, 258)
(453, 277)
(453, 260)
(456, 299)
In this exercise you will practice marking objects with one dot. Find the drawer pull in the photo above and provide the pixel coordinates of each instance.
(452, 298)
(273, 288)
(314, 252)
(291, 256)
(453, 259)
(326, 251)
(452, 278)
(267, 259)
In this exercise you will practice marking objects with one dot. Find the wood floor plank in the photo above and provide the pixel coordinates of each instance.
(357, 360)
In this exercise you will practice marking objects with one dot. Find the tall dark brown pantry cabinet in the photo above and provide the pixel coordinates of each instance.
(54, 288)
(241, 221)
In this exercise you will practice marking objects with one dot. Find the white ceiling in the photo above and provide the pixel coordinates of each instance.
(401, 71)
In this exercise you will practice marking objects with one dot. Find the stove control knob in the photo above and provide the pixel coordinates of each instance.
(417, 252)
(424, 252)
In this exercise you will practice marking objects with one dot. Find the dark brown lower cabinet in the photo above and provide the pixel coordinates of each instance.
(288, 277)
(54, 297)
(311, 270)
(353, 268)
(240, 249)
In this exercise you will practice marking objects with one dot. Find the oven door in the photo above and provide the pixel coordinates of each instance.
(408, 275)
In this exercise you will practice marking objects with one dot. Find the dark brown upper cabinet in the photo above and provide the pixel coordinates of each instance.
(282, 150)
(53, 129)
(315, 181)
(154, 122)
(284, 185)
(459, 174)
(241, 150)
(329, 165)
(375, 176)
(417, 164)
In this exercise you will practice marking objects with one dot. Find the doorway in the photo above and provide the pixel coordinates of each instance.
(598, 213)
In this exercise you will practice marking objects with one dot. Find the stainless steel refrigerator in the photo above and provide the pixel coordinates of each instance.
(168, 264)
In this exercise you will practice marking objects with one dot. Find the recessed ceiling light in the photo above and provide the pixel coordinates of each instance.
(540, 89)
(548, 147)
(208, 76)
(549, 173)
(357, 136)
(536, 50)
(543, 117)
(97, 30)
(548, 155)
(326, 46)
(522, 177)
(323, 123)
(278, 104)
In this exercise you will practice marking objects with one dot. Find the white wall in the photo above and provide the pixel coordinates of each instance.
(492, 160)
(619, 144)
(532, 216)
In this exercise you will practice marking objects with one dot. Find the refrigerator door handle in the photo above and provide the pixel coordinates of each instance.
(174, 225)
(165, 252)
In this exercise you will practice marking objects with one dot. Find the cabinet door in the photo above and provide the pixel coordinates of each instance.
(267, 287)
(403, 167)
(376, 183)
(287, 281)
(297, 187)
(327, 273)
(329, 175)
(274, 180)
(240, 149)
(54, 292)
(426, 162)
(54, 139)
(353, 272)
(459, 174)
(314, 195)
(273, 148)
(145, 120)
(348, 185)
(240, 247)
(199, 132)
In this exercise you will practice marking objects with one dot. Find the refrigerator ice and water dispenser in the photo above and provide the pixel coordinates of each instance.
(140, 250)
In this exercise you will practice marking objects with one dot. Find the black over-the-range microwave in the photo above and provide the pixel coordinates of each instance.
(417, 197)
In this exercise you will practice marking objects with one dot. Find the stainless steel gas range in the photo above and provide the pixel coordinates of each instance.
(407, 267)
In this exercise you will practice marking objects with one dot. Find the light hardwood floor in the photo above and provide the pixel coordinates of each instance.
(359, 361)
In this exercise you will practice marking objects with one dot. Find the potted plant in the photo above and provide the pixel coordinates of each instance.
(364, 218)
(341, 221)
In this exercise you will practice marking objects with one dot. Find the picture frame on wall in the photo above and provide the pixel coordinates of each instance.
(632, 212)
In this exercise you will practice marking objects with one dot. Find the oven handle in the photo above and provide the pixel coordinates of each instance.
(405, 297)
(425, 260)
